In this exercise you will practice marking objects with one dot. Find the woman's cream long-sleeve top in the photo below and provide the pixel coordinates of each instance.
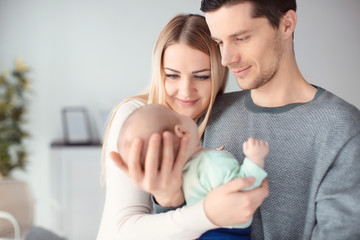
(128, 211)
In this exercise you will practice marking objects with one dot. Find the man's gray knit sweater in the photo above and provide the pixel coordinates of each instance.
(313, 165)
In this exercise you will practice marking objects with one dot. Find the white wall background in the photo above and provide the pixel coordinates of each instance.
(95, 53)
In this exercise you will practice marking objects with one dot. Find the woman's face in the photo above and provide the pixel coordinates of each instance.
(188, 79)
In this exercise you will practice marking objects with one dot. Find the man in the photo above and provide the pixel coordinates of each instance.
(314, 136)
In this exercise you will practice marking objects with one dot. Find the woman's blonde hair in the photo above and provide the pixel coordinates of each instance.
(192, 30)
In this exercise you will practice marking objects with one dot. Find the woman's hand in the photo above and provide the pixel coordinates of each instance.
(227, 206)
(161, 179)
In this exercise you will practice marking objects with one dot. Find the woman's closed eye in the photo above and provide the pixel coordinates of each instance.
(172, 76)
(202, 77)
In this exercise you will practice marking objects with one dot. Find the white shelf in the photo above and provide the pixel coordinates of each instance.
(75, 186)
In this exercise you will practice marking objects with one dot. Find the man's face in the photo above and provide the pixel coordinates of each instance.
(250, 47)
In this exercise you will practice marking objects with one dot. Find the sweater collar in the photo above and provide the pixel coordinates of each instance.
(251, 106)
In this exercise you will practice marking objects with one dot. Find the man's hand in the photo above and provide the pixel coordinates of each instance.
(227, 206)
(163, 182)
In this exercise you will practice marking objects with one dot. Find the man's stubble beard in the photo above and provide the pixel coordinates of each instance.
(266, 75)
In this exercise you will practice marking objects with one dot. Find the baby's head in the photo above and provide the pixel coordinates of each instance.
(156, 118)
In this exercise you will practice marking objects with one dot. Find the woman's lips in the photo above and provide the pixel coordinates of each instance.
(187, 103)
(242, 72)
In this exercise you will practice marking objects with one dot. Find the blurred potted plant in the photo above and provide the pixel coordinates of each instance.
(13, 106)
(16, 199)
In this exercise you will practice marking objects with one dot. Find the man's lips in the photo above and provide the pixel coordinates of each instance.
(187, 103)
(242, 72)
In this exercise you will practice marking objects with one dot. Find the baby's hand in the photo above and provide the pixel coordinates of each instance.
(256, 150)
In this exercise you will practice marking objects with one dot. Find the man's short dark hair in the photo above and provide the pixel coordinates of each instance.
(273, 10)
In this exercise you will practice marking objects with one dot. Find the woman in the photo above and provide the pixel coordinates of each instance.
(187, 76)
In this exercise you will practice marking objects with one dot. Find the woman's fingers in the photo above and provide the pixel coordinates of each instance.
(181, 156)
(167, 161)
(152, 161)
(162, 172)
(134, 162)
(168, 192)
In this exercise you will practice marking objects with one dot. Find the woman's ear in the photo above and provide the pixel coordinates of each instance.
(288, 23)
(179, 132)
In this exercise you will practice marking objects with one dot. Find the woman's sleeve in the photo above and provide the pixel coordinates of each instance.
(128, 211)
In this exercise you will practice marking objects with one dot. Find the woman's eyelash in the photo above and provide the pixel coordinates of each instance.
(172, 76)
(203, 77)
(199, 77)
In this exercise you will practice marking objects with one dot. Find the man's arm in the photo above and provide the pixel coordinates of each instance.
(337, 202)
(226, 205)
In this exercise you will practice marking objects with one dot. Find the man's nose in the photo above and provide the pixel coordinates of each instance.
(229, 55)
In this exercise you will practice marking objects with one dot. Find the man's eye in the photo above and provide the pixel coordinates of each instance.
(241, 39)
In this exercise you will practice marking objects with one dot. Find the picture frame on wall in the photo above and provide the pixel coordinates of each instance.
(76, 126)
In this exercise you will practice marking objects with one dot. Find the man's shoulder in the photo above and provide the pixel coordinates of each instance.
(338, 108)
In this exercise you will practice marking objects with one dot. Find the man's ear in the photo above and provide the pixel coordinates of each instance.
(179, 132)
(288, 23)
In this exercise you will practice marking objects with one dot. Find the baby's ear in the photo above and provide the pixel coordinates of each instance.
(119, 162)
(179, 132)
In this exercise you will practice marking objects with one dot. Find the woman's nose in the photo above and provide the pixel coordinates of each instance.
(186, 87)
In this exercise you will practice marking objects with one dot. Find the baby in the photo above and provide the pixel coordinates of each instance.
(205, 169)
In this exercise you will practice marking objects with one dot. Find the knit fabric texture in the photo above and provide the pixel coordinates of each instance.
(313, 165)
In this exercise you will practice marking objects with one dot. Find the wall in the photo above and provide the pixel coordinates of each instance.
(95, 53)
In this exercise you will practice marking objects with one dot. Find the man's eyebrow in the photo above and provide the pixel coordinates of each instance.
(172, 70)
(233, 35)
(202, 70)
(240, 33)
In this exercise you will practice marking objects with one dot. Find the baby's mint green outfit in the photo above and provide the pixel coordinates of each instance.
(211, 168)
